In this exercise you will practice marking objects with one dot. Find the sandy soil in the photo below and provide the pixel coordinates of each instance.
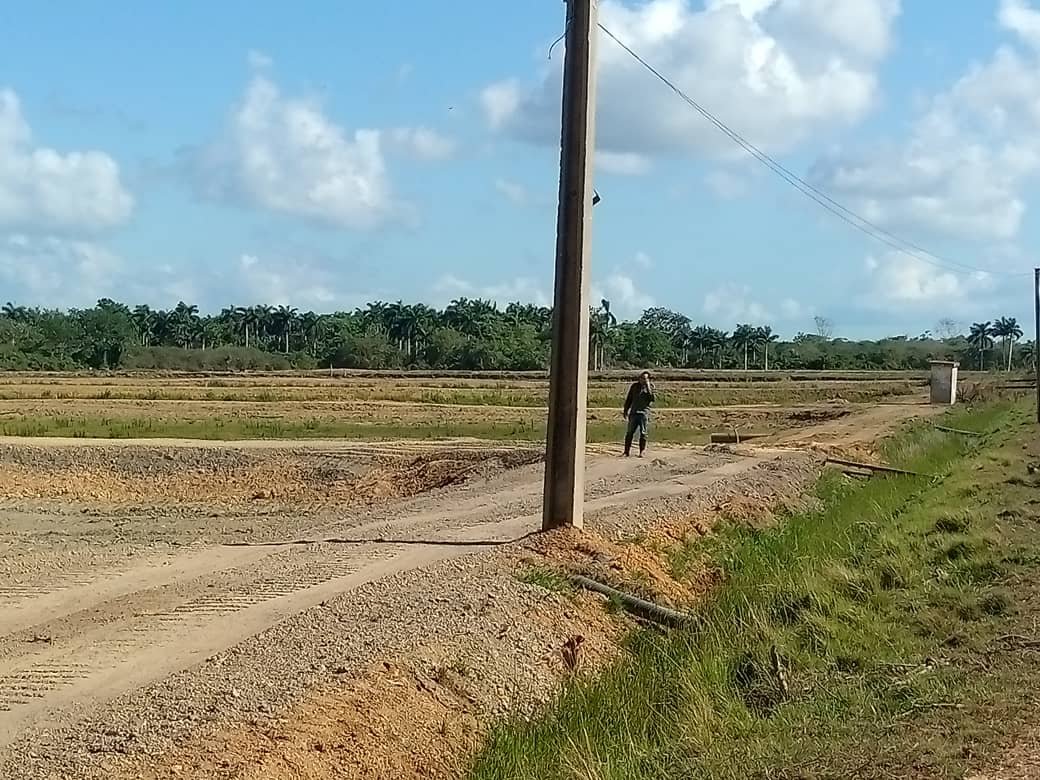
(152, 603)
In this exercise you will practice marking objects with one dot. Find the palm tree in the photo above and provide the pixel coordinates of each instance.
(601, 323)
(999, 330)
(263, 324)
(1014, 334)
(282, 320)
(112, 307)
(1009, 331)
(16, 313)
(765, 337)
(199, 330)
(310, 325)
(471, 317)
(979, 336)
(1028, 354)
(681, 340)
(744, 340)
(424, 319)
(400, 322)
(699, 341)
(717, 341)
(184, 320)
(143, 321)
(161, 327)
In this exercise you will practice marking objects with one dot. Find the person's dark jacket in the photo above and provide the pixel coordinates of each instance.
(639, 399)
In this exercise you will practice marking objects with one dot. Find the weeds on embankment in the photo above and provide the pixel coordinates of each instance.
(230, 428)
(840, 640)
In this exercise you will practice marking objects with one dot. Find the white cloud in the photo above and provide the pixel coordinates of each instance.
(971, 152)
(522, 289)
(732, 304)
(623, 163)
(778, 71)
(285, 155)
(500, 101)
(55, 271)
(58, 272)
(625, 297)
(898, 281)
(863, 28)
(288, 282)
(52, 271)
(1021, 18)
(643, 260)
(514, 192)
(43, 188)
(793, 310)
(423, 143)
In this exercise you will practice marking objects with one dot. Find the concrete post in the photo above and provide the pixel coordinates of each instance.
(564, 494)
(944, 382)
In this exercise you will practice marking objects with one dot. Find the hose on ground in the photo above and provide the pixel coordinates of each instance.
(636, 605)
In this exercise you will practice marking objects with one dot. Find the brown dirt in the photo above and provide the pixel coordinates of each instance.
(355, 728)
(1020, 762)
(138, 615)
(156, 475)
(854, 432)
(630, 566)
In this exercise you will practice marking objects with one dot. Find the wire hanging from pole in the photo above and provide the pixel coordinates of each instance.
(824, 200)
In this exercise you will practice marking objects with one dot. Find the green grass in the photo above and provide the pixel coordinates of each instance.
(229, 428)
(546, 579)
(811, 656)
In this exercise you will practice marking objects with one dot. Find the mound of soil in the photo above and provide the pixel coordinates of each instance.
(226, 477)
(818, 414)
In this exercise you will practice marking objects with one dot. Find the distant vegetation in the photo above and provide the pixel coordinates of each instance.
(466, 335)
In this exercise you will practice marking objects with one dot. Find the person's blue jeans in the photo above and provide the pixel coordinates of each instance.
(637, 421)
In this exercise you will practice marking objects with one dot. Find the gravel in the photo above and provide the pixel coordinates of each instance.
(469, 613)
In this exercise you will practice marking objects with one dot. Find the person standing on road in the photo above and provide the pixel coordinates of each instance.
(637, 412)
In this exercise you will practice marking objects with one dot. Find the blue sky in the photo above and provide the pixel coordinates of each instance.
(233, 153)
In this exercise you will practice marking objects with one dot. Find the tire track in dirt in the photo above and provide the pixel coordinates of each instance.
(23, 606)
(48, 682)
(106, 632)
(103, 634)
(117, 630)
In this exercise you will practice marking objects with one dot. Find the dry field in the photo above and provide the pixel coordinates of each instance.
(280, 407)
(177, 604)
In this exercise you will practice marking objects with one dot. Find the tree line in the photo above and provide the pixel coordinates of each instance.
(467, 334)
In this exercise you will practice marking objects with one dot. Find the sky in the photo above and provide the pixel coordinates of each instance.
(330, 154)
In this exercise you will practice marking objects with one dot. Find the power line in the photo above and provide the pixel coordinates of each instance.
(839, 210)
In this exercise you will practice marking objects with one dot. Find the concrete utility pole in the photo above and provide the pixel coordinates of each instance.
(564, 496)
(1036, 337)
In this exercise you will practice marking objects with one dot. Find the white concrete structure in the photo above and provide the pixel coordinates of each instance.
(944, 382)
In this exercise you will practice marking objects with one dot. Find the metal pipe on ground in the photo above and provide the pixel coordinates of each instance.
(959, 431)
(855, 464)
(636, 605)
(734, 438)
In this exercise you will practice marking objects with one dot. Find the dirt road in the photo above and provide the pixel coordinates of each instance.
(109, 613)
